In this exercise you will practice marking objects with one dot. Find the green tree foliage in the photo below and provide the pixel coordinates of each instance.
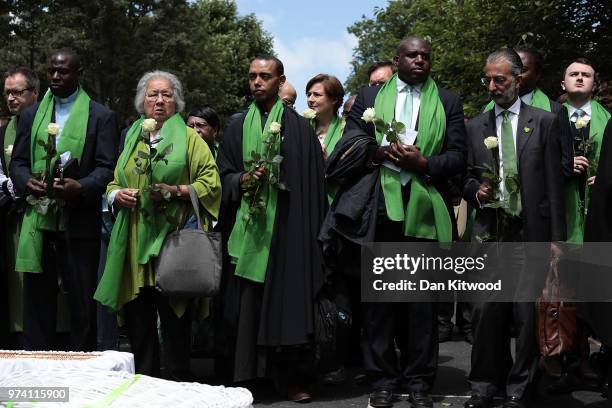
(204, 42)
(463, 32)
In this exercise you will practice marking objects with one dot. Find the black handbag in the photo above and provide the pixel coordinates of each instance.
(189, 262)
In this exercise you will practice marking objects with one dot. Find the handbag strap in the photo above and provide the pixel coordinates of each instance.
(196, 207)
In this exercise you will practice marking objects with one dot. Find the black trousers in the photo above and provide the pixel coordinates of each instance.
(74, 264)
(412, 326)
(141, 323)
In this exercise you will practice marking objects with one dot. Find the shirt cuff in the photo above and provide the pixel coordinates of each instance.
(110, 199)
(480, 205)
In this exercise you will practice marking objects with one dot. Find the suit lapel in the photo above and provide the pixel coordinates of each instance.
(489, 129)
(524, 129)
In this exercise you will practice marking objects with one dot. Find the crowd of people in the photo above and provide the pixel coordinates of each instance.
(86, 208)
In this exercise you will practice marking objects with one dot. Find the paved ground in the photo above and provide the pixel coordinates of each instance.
(450, 389)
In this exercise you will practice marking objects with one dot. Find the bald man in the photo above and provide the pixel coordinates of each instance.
(288, 95)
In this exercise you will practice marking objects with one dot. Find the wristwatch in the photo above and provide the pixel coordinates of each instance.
(178, 190)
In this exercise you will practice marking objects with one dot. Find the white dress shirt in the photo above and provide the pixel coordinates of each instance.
(586, 108)
(527, 98)
(401, 98)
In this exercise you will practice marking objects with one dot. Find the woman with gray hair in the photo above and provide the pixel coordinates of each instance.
(149, 195)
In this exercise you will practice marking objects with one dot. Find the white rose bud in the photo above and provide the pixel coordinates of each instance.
(53, 129)
(581, 123)
(490, 142)
(310, 114)
(369, 115)
(275, 127)
(9, 150)
(149, 125)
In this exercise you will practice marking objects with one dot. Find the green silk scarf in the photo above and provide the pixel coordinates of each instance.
(538, 100)
(249, 244)
(425, 215)
(10, 134)
(152, 230)
(334, 133)
(72, 139)
(574, 217)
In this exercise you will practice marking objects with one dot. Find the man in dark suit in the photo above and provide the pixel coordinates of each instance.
(412, 325)
(527, 151)
(21, 87)
(69, 248)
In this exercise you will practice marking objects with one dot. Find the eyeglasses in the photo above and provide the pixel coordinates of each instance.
(497, 80)
(165, 97)
(16, 93)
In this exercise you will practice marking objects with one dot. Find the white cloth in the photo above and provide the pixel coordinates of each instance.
(109, 360)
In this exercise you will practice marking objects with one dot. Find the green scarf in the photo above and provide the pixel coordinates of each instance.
(334, 133)
(538, 100)
(152, 231)
(10, 134)
(574, 216)
(72, 139)
(425, 215)
(249, 245)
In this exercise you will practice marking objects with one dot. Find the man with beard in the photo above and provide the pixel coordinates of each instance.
(527, 154)
(276, 267)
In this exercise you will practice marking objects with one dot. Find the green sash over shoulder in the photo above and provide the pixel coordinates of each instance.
(334, 133)
(426, 215)
(249, 244)
(574, 214)
(72, 139)
(10, 134)
(538, 100)
(152, 230)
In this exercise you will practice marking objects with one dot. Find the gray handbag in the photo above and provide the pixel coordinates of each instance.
(189, 262)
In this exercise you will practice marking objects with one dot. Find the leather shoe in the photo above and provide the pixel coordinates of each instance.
(421, 400)
(382, 398)
(296, 393)
(477, 401)
(514, 402)
(565, 384)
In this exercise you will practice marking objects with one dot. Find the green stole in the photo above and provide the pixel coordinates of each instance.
(10, 134)
(574, 215)
(152, 230)
(249, 244)
(334, 133)
(538, 100)
(425, 215)
(72, 139)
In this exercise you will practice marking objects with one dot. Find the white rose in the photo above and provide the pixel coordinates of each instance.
(9, 150)
(149, 125)
(490, 142)
(369, 115)
(310, 113)
(581, 123)
(275, 127)
(53, 129)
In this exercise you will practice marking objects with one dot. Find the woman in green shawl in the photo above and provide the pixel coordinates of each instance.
(324, 95)
(150, 197)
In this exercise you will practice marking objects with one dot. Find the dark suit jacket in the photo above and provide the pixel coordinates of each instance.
(95, 167)
(441, 167)
(539, 168)
(2, 162)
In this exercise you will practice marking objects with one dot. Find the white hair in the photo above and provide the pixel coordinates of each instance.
(142, 87)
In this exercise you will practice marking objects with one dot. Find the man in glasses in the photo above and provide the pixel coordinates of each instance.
(20, 91)
(526, 155)
(63, 243)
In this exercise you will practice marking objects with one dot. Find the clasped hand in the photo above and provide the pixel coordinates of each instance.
(128, 197)
(407, 157)
(256, 174)
(67, 189)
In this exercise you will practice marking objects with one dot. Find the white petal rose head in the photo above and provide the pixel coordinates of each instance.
(310, 113)
(275, 127)
(149, 125)
(490, 142)
(581, 123)
(368, 115)
(9, 149)
(53, 129)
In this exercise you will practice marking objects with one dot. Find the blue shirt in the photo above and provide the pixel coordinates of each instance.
(62, 111)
